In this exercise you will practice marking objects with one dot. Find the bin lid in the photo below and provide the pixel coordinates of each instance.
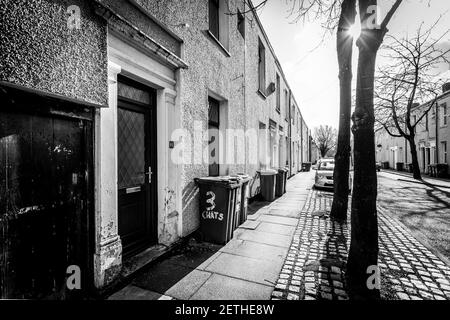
(268, 172)
(223, 181)
(244, 177)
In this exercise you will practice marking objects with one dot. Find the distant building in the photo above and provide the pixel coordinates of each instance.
(432, 137)
(315, 154)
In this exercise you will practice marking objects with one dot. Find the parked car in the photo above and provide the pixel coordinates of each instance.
(324, 175)
(378, 165)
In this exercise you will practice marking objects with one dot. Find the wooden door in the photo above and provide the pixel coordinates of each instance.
(44, 205)
(136, 166)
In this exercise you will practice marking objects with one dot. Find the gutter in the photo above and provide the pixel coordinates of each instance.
(146, 41)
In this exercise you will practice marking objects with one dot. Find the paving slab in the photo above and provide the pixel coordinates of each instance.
(280, 220)
(189, 285)
(250, 224)
(264, 237)
(161, 277)
(276, 228)
(131, 292)
(254, 250)
(209, 261)
(289, 213)
(220, 287)
(246, 268)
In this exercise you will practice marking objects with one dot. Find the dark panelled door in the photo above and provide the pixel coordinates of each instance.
(136, 161)
(43, 204)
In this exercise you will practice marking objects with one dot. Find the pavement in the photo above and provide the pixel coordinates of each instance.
(407, 176)
(246, 268)
(290, 250)
(315, 265)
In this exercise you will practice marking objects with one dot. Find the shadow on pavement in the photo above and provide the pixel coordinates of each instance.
(163, 275)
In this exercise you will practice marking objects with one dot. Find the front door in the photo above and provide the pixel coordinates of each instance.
(136, 136)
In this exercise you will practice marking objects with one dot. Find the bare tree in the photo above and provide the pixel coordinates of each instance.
(344, 44)
(409, 81)
(336, 15)
(325, 138)
(363, 253)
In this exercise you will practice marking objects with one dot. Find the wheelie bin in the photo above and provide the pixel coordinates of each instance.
(281, 182)
(220, 199)
(399, 166)
(268, 184)
(245, 193)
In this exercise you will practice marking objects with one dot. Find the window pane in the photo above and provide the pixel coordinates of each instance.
(131, 148)
(213, 115)
(213, 151)
(262, 68)
(241, 23)
(214, 17)
(132, 93)
(278, 93)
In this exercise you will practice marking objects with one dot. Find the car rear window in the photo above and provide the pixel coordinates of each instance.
(326, 165)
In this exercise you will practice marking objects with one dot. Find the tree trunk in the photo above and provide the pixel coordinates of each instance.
(363, 251)
(415, 162)
(342, 157)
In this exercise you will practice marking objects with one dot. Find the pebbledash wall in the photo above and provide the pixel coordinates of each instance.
(228, 73)
(165, 45)
(39, 51)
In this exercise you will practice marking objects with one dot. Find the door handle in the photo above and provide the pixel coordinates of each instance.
(149, 174)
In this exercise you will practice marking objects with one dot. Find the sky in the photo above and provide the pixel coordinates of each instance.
(309, 60)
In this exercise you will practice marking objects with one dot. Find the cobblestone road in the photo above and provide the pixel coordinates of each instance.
(315, 264)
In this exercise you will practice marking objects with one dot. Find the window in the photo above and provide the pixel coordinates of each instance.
(241, 23)
(214, 18)
(414, 120)
(444, 114)
(278, 94)
(286, 103)
(218, 22)
(262, 67)
(426, 122)
(262, 146)
(444, 152)
(213, 129)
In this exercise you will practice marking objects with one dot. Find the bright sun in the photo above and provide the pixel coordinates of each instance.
(354, 31)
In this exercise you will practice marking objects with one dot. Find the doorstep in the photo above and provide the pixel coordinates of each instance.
(139, 261)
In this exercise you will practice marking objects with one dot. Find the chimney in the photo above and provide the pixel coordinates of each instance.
(446, 87)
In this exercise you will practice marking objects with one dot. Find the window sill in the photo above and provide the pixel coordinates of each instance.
(262, 94)
(218, 43)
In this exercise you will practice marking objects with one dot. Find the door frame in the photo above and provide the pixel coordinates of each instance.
(151, 205)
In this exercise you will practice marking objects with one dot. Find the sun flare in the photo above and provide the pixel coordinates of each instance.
(354, 31)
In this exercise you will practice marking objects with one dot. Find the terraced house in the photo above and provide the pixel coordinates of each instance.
(105, 111)
(432, 139)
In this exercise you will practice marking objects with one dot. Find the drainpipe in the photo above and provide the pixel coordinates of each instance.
(244, 79)
(301, 138)
(406, 153)
(290, 133)
(436, 154)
